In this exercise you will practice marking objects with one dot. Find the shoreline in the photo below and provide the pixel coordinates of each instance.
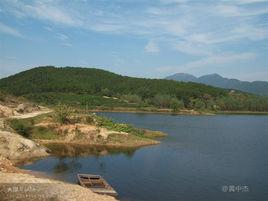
(92, 145)
(165, 111)
(241, 112)
(184, 112)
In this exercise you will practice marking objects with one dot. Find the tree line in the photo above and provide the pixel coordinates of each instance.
(39, 83)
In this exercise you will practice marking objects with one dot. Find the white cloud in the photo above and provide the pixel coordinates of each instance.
(173, 1)
(222, 59)
(213, 60)
(152, 47)
(249, 1)
(9, 30)
(62, 36)
(64, 39)
(250, 32)
(186, 26)
(161, 19)
(237, 33)
(107, 27)
(191, 48)
(47, 12)
(237, 11)
(48, 28)
(44, 10)
(253, 76)
(66, 44)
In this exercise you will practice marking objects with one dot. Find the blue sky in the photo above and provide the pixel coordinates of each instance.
(152, 38)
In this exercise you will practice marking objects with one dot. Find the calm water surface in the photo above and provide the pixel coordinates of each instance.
(202, 157)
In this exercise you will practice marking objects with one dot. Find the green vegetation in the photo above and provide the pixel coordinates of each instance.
(84, 101)
(109, 124)
(62, 114)
(127, 128)
(26, 128)
(11, 100)
(21, 127)
(43, 133)
(89, 88)
(153, 134)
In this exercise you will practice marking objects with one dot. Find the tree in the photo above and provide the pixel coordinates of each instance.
(63, 114)
(162, 101)
(199, 104)
(210, 105)
(132, 98)
(175, 104)
(106, 92)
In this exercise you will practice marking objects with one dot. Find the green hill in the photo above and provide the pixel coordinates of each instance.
(93, 87)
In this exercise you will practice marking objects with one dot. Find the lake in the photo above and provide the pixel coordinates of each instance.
(203, 158)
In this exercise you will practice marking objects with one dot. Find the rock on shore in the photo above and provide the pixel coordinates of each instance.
(16, 148)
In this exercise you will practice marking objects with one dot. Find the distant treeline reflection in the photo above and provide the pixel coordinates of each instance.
(63, 150)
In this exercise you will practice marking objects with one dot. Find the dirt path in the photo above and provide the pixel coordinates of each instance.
(24, 116)
(32, 114)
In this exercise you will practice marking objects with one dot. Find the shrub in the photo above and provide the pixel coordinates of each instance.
(21, 127)
(132, 98)
(109, 124)
(90, 119)
(175, 104)
(63, 113)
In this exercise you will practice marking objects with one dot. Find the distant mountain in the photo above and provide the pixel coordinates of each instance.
(256, 87)
(184, 77)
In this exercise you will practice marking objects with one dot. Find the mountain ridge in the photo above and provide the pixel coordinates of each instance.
(216, 80)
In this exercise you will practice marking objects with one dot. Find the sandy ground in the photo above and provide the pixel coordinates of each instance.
(18, 186)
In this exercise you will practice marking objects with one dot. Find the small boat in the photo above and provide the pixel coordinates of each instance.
(96, 183)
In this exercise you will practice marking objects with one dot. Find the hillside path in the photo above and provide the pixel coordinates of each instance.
(43, 110)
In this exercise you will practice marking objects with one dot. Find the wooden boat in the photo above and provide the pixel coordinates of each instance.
(96, 183)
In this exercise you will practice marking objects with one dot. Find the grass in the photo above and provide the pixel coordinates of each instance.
(119, 127)
(153, 134)
(111, 125)
(26, 128)
(22, 126)
(43, 133)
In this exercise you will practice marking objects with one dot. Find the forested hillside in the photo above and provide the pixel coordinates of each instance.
(93, 87)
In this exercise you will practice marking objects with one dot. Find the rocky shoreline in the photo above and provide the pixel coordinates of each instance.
(18, 184)
(16, 148)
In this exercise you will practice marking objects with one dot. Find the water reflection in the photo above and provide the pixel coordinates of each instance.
(64, 165)
(68, 157)
(63, 150)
